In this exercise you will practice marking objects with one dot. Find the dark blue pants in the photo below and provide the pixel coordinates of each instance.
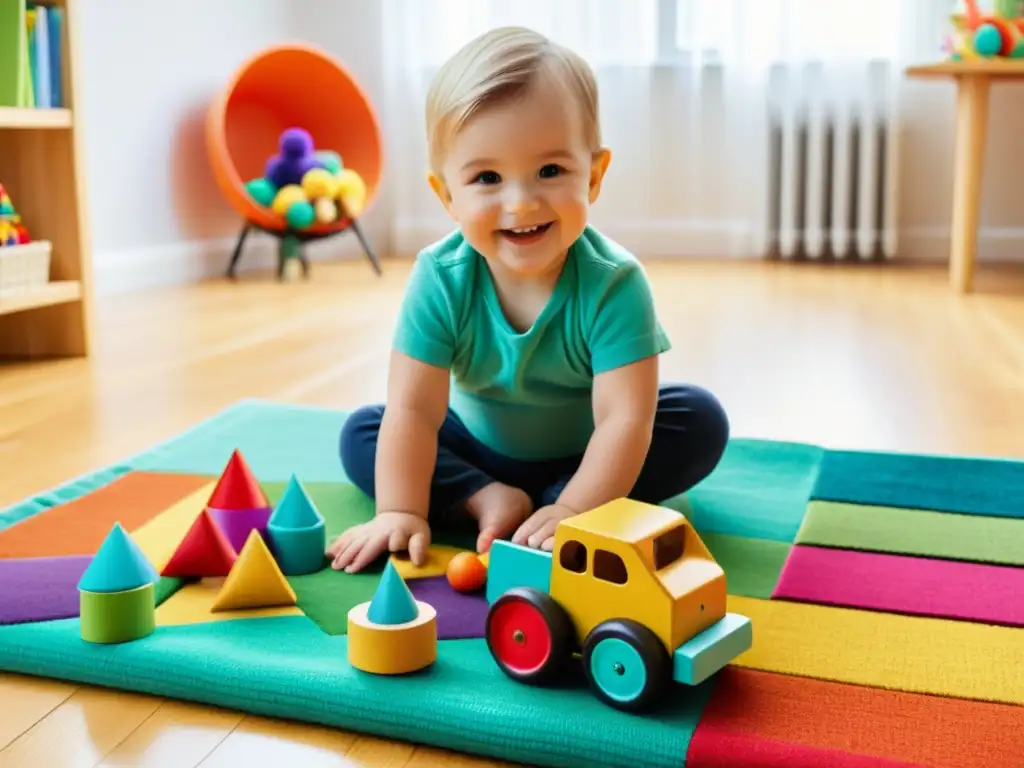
(690, 433)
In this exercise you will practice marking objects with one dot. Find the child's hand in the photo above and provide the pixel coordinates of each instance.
(395, 531)
(539, 528)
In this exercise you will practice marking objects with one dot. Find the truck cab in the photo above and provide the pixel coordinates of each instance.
(630, 587)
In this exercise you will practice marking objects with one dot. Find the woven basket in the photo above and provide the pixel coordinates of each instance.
(24, 267)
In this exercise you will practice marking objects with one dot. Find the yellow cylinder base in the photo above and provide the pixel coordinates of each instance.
(392, 649)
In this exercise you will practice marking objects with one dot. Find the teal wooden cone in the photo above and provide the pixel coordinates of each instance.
(393, 603)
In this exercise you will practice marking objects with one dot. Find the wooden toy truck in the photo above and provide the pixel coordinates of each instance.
(629, 587)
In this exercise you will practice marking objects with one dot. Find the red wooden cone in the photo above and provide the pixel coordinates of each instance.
(203, 552)
(238, 488)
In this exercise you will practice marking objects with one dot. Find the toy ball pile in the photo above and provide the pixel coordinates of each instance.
(306, 186)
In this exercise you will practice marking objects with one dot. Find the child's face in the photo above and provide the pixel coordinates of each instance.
(522, 166)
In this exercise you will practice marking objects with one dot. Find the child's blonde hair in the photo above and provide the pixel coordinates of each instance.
(500, 65)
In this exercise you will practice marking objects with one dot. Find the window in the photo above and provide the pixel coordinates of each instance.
(573, 557)
(669, 547)
(609, 567)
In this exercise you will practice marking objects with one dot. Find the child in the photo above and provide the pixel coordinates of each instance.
(523, 385)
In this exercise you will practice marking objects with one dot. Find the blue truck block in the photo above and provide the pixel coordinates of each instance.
(700, 657)
(512, 565)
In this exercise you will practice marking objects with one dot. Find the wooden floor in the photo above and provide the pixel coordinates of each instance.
(846, 357)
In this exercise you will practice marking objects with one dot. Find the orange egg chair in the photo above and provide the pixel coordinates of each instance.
(281, 87)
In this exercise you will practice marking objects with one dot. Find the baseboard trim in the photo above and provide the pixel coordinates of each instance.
(138, 269)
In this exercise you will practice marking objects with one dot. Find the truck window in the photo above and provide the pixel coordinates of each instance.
(669, 547)
(609, 567)
(573, 556)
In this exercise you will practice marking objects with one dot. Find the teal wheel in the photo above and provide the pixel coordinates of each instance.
(626, 665)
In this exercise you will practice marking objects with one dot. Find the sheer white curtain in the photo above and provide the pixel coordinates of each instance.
(688, 89)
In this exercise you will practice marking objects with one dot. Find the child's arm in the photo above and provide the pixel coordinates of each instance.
(417, 404)
(625, 404)
(625, 340)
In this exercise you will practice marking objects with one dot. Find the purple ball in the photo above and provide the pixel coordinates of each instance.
(281, 171)
(296, 142)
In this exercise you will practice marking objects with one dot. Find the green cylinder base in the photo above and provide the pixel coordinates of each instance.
(299, 550)
(117, 617)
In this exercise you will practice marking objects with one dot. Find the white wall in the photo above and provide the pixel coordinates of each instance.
(157, 216)
(156, 213)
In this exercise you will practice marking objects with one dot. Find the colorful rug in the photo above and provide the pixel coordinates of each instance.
(885, 590)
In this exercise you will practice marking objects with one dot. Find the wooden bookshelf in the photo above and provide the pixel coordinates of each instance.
(41, 165)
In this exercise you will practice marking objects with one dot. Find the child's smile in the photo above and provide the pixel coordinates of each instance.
(524, 236)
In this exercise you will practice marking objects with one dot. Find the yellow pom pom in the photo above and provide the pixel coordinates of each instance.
(292, 193)
(319, 182)
(326, 212)
(351, 191)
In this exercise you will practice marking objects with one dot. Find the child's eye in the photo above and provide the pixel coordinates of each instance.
(550, 171)
(487, 177)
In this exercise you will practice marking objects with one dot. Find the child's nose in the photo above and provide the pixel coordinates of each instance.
(520, 199)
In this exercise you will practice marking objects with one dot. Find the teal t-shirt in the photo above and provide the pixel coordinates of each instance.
(528, 395)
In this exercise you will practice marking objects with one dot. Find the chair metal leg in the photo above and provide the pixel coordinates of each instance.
(237, 254)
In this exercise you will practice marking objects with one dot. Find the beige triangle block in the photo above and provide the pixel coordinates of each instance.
(255, 580)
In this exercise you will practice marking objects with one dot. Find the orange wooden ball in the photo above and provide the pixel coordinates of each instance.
(466, 572)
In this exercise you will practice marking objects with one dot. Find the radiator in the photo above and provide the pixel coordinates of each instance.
(833, 172)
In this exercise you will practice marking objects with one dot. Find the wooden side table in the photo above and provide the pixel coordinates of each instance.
(973, 80)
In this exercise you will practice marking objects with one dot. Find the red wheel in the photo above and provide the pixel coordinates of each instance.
(529, 635)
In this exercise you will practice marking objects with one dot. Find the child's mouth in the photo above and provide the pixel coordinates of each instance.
(525, 235)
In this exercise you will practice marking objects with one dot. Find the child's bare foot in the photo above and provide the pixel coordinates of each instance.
(499, 509)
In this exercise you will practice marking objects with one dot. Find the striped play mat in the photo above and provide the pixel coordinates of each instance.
(886, 593)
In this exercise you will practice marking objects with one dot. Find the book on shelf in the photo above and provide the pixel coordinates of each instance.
(31, 52)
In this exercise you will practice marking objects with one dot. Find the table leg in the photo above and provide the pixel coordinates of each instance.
(971, 129)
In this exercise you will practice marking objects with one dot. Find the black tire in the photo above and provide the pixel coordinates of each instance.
(657, 665)
(536, 608)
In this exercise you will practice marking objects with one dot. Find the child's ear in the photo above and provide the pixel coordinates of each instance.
(441, 190)
(598, 168)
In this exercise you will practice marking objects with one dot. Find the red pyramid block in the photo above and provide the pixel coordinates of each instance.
(237, 488)
(204, 552)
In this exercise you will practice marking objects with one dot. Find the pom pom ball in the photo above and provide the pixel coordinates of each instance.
(292, 193)
(319, 182)
(987, 40)
(351, 191)
(326, 210)
(295, 160)
(296, 143)
(300, 214)
(330, 160)
(262, 191)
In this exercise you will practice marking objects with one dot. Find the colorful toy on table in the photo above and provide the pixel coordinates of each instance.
(394, 633)
(117, 593)
(12, 231)
(986, 36)
(307, 186)
(631, 588)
